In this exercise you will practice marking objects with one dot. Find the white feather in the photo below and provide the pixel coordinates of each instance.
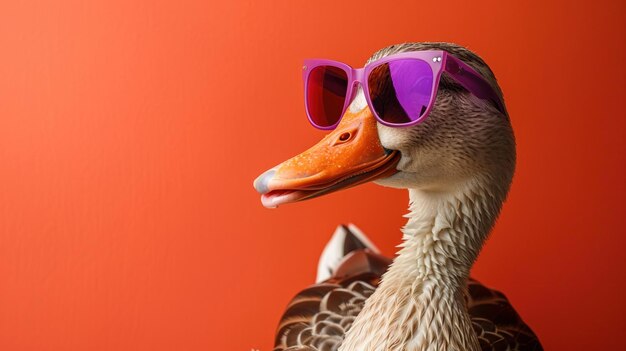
(333, 253)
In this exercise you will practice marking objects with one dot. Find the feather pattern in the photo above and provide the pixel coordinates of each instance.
(318, 318)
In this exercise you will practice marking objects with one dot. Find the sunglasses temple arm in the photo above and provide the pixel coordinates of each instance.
(472, 81)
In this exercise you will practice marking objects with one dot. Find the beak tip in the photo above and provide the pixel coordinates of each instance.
(261, 184)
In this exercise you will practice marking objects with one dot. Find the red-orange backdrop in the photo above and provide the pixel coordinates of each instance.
(131, 131)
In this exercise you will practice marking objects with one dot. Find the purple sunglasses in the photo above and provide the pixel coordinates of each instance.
(400, 89)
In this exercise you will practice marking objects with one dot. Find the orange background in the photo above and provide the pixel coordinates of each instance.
(130, 133)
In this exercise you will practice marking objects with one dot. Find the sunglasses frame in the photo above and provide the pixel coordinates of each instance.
(439, 60)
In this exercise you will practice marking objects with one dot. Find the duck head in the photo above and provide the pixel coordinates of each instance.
(462, 138)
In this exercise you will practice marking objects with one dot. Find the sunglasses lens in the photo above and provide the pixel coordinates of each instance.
(401, 90)
(326, 94)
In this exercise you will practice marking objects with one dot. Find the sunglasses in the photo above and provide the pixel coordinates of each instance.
(400, 89)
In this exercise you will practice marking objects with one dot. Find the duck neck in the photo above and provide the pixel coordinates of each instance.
(420, 303)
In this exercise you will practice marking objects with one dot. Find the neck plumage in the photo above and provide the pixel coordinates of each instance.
(420, 303)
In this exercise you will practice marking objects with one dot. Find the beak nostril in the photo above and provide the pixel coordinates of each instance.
(344, 137)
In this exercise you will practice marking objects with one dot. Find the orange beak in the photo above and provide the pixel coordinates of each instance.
(350, 155)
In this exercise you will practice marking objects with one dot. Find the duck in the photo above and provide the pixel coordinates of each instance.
(457, 166)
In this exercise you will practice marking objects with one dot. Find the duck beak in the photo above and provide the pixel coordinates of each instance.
(350, 155)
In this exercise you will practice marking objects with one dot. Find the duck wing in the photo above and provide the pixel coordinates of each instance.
(495, 321)
(319, 316)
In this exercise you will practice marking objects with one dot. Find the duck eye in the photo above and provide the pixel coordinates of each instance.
(345, 136)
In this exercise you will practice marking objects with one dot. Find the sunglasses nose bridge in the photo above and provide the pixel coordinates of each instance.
(358, 75)
(357, 79)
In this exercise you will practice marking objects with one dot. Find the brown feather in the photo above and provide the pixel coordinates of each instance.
(318, 317)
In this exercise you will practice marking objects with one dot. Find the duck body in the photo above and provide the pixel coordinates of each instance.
(319, 317)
